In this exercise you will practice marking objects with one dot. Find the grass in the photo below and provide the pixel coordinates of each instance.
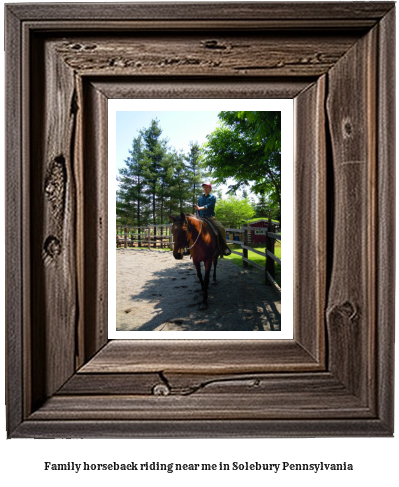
(261, 218)
(258, 259)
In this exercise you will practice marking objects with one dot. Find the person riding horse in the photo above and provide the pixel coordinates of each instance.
(206, 208)
(199, 238)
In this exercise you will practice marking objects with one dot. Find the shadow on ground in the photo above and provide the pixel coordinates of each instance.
(169, 295)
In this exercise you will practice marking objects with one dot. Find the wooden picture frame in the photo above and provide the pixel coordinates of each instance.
(335, 378)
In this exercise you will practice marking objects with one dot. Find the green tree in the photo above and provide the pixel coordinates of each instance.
(154, 166)
(195, 174)
(262, 206)
(178, 190)
(267, 128)
(131, 200)
(247, 147)
(233, 211)
(166, 176)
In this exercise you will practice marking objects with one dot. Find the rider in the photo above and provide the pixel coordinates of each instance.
(206, 208)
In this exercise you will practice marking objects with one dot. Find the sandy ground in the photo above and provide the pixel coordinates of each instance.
(155, 292)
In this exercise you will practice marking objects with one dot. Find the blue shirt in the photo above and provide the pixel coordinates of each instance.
(208, 202)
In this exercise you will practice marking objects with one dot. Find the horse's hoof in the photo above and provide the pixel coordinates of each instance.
(203, 306)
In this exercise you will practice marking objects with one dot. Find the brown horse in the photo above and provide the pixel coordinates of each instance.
(194, 234)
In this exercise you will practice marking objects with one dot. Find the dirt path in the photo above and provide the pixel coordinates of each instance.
(155, 292)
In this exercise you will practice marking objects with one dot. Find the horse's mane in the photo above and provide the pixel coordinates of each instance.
(179, 219)
(198, 218)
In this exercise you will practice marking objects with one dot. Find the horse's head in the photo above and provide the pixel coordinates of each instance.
(179, 227)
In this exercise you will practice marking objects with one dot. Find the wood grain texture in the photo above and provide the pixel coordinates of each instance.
(217, 55)
(111, 384)
(89, 396)
(15, 207)
(385, 174)
(281, 11)
(176, 87)
(185, 384)
(191, 428)
(351, 306)
(310, 200)
(65, 62)
(200, 356)
(53, 213)
(209, 407)
(95, 201)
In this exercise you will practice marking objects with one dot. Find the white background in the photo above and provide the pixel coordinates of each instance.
(22, 461)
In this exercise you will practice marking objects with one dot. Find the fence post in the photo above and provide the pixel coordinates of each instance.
(155, 237)
(269, 247)
(170, 238)
(125, 237)
(245, 251)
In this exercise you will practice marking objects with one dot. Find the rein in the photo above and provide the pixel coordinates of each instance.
(199, 233)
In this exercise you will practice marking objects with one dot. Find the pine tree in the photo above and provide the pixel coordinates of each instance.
(157, 180)
(178, 188)
(131, 199)
(262, 207)
(196, 174)
(154, 153)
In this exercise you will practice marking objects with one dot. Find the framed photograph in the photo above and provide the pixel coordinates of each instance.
(334, 377)
(154, 289)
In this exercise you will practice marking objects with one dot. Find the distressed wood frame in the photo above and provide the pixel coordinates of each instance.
(335, 378)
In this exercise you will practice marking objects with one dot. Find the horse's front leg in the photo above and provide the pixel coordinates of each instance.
(215, 263)
(199, 275)
(208, 267)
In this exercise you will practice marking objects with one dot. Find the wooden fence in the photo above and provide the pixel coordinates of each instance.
(271, 258)
(160, 236)
(151, 236)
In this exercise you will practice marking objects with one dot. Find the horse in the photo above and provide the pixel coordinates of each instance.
(197, 236)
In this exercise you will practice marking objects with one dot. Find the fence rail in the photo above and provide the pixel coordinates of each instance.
(269, 255)
(155, 236)
(160, 236)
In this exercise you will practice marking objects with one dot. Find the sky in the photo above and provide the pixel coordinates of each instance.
(179, 127)
(183, 121)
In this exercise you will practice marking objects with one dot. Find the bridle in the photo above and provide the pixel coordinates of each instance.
(199, 233)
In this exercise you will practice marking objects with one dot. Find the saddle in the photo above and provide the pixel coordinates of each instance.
(219, 241)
